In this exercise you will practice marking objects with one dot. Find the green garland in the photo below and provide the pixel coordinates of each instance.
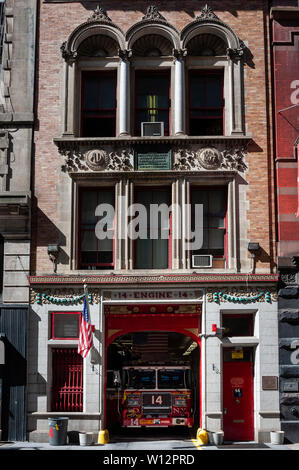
(243, 300)
(61, 301)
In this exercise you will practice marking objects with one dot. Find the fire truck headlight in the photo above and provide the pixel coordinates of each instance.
(132, 400)
(180, 401)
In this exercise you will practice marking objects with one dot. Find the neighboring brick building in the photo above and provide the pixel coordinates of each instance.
(285, 44)
(203, 71)
(17, 67)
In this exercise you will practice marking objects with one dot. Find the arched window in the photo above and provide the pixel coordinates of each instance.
(91, 72)
(214, 72)
(152, 42)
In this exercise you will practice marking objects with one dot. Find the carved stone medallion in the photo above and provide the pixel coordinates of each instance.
(209, 158)
(96, 159)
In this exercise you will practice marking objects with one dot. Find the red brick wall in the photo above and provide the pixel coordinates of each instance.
(286, 95)
(248, 20)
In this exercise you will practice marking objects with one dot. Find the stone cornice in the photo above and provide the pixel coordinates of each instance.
(71, 142)
(133, 279)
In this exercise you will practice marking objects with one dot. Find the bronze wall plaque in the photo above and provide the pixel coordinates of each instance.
(270, 383)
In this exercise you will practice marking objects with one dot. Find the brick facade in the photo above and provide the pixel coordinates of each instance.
(260, 217)
(242, 162)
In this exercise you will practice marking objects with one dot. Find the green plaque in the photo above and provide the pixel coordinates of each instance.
(153, 161)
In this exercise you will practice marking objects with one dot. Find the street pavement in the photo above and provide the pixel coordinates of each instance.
(146, 445)
(155, 440)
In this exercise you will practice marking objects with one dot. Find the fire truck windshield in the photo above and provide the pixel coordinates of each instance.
(172, 378)
(141, 378)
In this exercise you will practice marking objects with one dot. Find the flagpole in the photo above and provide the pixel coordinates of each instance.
(85, 289)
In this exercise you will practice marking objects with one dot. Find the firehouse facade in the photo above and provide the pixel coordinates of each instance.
(152, 106)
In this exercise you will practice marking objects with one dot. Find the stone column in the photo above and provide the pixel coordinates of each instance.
(123, 249)
(124, 102)
(179, 128)
(69, 107)
(180, 224)
(235, 57)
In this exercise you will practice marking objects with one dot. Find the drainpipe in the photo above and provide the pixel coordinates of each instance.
(203, 366)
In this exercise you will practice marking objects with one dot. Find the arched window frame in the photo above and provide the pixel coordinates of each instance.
(98, 24)
(232, 64)
(153, 23)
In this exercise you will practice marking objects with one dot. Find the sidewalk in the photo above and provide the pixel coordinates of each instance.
(142, 446)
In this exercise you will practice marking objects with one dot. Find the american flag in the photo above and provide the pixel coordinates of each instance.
(85, 332)
(151, 346)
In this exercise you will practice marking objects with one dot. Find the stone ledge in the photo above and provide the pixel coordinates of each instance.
(162, 278)
(70, 141)
(7, 118)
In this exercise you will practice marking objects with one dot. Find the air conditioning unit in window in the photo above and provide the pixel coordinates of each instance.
(152, 129)
(202, 261)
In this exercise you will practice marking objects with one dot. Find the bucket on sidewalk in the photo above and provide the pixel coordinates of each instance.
(218, 438)
(86, 438)
(58, 431)
(277, 437)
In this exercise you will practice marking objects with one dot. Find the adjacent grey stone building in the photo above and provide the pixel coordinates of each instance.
(18, 34)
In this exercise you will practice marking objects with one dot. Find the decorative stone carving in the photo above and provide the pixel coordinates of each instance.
(237, 53)
(179, 54)
(288, 278)
(209, 158)
(184, 160)
(152, 14)
(67, 55)
(121, 161)
(99, 14)
(233, 159)
(74, 160)
(67, 296)
(243, 292)
(125, 54)
(96, 159)
(207, 13)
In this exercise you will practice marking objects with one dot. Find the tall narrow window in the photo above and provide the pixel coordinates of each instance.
(214, 220)
(98, 104)
(150, 252)
(206, 103)
(67, 380)
(96, 252)
(152, 102)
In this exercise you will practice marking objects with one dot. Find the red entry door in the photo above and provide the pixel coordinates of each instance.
(238, 420)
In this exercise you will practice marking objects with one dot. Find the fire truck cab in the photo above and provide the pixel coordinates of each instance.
(157, 396)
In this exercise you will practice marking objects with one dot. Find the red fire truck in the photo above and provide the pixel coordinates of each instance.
(156, 396)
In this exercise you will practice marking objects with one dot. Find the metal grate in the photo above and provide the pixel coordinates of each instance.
(67, 384)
